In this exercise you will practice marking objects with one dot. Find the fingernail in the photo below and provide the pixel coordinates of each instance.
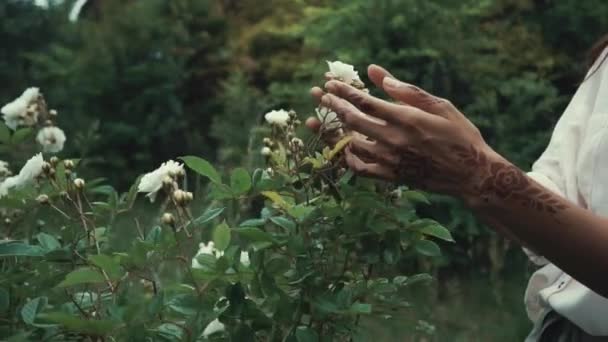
(391, 82)
(326, 100)
(330, 86)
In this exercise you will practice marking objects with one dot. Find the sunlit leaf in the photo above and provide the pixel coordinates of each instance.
(202, 167)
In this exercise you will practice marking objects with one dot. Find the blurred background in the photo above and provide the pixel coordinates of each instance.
(137, 82)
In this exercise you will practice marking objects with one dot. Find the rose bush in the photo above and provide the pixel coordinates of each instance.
(300, 250)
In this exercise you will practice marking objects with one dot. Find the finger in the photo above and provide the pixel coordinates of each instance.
(354, 119)
(375, 170)
(330, 76)
(375, 150)
(313, 124)
(374, 106)
(417, 97)
(316, 94)
(377, 74)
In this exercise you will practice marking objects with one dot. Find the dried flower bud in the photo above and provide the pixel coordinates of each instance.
(267, 141)
(168, 182)
(67, 172)
(189, 196)
(79, 183)
(181, 173)
(52, 171)
(297, 142)
(42, 199)
(168, 219)
(179, 196)
(7, 220)
(54, 160)
(48, 123)
(53, 112)
(46, 167)
(68, 164)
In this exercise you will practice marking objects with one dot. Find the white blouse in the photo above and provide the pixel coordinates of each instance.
(575, 165)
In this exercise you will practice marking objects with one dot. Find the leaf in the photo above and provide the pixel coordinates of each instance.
(253, 223)
(202, 167)
(276, 199)
(427, 247)
(438, 231)
(361, 308)
(32, 308)
(85, 326)
(12, 248)
(240, 181)
(110, 265)
(5, 134)
(208, 215)
(415, 196)
(221, 236)
(21, 135)
(170, 331)
(252, 234)
(48, 242)
(284, 223)
(5, 300)
(220, 192)
(306, 334)
(82, 276)
(340, 145)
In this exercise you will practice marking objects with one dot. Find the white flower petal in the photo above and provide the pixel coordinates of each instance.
(151, 182)
(213, 327)
(277, 117)
(344, 71)
(30, 95)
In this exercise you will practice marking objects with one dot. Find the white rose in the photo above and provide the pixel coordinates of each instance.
(277, 117)
(344, 71)
(52, 139)
(151, 182)
(28, 173)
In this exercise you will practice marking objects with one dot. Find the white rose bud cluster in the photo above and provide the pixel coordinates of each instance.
(163, 177)
(30, 110)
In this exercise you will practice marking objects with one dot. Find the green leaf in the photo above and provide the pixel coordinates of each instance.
(427, 247)
(82, 276)
(221, 236)
(21, 135)
(5, 300)
(202, 167)
(110, 265)
(306, 334)
(79, 325)
(220, 192)
(208, 215)
(277, 265)
(32, 308)
(253, 223)
(276, 199)
(240, 181)
(5, 133)
(12, 248)
(415, 197)
(361, 308)
(438, 231)
(284, 222)
(252, 234)
(170, 331)
(340, 145)
(48, 242)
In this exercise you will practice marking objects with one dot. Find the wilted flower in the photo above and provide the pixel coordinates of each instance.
(22, 110)
(297, 143)
(79, 183)
(153, 181)
(32, 169)
(214, 327)
(344, 71)
(168, 219)
(245, 259)
(51, 138)
(266, 151)
(328, 118)
(277, 117)
(209, 249)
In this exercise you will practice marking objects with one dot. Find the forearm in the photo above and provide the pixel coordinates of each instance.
(571, 237)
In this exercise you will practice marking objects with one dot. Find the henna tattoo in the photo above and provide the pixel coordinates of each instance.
(488, 179)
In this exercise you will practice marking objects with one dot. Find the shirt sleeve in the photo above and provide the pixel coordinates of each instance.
(557, 168)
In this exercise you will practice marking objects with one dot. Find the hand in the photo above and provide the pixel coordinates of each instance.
(422, 140)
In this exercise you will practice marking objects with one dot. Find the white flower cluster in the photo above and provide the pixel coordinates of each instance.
(151, 182)
(28, 174)
(23, 111)
(209, 249)
(28, 110)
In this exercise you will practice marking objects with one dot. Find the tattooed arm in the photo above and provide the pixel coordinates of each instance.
(424, 141)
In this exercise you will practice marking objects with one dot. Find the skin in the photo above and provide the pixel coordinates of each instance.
(424, 141)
